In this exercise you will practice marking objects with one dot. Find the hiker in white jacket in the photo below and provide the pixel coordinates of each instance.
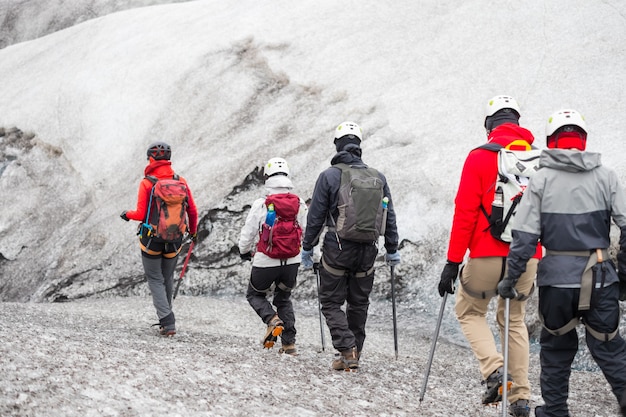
(268, 270)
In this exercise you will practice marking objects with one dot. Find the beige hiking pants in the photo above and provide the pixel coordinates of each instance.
(480, 278)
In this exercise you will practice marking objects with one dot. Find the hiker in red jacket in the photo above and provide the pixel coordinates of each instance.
(159, 257)
(487, 261)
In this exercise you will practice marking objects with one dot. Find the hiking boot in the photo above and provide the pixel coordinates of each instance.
(274, 329)
(520, 408)
(493, 393)
(167, 331)
(289, 350)
(347, 360)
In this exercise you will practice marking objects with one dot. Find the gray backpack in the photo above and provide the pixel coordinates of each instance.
(515, 168)
(360, 204)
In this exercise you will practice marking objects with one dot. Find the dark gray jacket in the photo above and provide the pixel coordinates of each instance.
(324, 201)
(568, 205)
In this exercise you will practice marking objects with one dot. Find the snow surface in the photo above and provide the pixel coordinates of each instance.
(230, 85)
(101, 358)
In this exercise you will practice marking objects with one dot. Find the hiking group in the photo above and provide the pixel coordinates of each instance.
(523, 217)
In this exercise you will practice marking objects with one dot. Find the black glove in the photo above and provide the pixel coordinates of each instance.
(194, 237)
(448, 276)
(622, 286)
(506, 288)
(123, 216)
(246, 256)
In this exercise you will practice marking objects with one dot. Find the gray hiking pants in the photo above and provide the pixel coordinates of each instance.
(284, 279)
(558, 306)
(160, 275)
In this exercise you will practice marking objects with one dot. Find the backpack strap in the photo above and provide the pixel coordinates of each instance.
(490, 146)
(493, 147)
(154, 179)
(146, 223)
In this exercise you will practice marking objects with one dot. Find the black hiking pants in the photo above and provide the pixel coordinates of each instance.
(260, 286)
(558, 306)
(351, 287)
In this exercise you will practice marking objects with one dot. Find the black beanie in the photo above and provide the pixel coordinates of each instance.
(500, 117)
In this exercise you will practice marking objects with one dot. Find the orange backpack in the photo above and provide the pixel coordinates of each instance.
(167, 211)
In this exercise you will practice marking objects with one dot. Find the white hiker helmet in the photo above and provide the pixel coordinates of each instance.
(566, 129)
(497, 103)
(276, 166)
(348, 128)
(506, 103)
(565, 117)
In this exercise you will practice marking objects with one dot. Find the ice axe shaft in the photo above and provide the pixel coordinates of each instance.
(182, 272)
(433, 345)
(393, 308)
(505, 354)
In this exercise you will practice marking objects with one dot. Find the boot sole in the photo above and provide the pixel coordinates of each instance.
(494, 396)
(352, 367)
(269, 341)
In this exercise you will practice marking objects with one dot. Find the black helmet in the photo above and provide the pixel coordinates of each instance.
(159, 150)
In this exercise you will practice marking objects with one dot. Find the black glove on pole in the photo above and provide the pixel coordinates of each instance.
(506, 288)
(448, 276)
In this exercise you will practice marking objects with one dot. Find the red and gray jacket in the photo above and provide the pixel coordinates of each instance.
(569, 204)
(470, 226)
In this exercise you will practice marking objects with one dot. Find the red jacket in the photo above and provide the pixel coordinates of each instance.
(161, 169)
(477, 186)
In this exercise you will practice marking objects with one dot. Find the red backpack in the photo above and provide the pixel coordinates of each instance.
(167, 212)
(282, 240)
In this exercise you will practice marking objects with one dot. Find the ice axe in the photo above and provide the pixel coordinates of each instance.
(182, 272)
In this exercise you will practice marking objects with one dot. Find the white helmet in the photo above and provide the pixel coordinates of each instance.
(501, 102)
(276, 166)
(348, 128)
(566, 117)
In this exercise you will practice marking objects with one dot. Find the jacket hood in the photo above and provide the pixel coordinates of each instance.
(569, 160)
(159, 168)
(278, 184)
(509, 132)
(351, 154)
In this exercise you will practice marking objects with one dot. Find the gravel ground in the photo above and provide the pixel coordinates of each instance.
(101, 357)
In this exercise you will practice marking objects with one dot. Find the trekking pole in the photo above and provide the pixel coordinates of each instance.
(433, 344)
(505, 354)
(393, 308)
(182, 272)
(316, 268)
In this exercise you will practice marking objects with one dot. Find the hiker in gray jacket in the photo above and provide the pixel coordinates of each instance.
(569, 205)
